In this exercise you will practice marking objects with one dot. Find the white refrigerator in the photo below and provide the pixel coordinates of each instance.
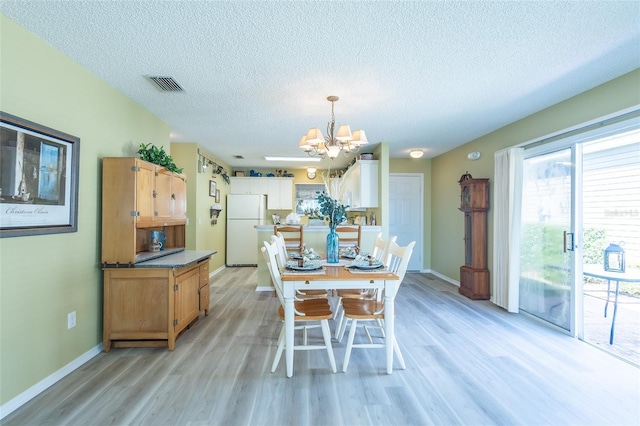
(244, 213)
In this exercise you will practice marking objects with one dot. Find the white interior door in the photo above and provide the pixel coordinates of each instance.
(406, 197)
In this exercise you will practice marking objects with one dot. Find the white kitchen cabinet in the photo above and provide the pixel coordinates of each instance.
(279, 191)
(361, 185)
(240, 185)
(249, 185)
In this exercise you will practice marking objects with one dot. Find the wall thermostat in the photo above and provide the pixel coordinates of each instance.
(474, 155)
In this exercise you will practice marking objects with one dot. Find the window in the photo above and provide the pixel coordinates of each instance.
(307, 197)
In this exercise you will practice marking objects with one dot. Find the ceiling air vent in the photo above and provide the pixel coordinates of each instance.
(165, 84)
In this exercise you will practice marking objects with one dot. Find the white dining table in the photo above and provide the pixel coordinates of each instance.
(338, 278)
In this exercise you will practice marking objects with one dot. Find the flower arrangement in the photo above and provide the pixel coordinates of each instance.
(332, 210)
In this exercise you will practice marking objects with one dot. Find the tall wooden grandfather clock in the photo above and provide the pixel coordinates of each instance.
(474, 203)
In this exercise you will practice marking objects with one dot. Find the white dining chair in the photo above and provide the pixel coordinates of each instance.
(380, 248)
(306, 313)
(293, 236)
(360, 311)
(279, 240)
(380, 252)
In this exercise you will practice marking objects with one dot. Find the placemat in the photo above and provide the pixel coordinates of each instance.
(341, 262)
(368, 271)
(321, 271)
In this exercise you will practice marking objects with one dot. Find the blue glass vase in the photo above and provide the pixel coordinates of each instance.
(333, 252)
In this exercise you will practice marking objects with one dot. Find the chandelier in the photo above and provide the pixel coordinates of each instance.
(315, 144)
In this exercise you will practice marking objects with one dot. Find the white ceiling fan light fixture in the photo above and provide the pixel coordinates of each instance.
(315, 144)
(416, 153)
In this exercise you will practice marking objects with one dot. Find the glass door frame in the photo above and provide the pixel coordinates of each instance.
(618, 122)
(573, 244)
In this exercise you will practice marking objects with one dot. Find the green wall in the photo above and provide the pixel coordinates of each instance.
(201, 233)
(43, 278)
(447, 222)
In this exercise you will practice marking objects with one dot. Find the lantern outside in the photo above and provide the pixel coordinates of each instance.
(614, 258)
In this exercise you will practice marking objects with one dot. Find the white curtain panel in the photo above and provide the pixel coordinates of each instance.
(506, 227)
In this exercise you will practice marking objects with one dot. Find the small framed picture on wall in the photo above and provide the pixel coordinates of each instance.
(217, 195)
(213, 187)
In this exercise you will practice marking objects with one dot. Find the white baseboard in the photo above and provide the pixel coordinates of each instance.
(217, 271)
(17, 402)
(445, 278)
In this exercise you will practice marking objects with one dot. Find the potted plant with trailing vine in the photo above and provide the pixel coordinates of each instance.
(159, 156)
(335, 213)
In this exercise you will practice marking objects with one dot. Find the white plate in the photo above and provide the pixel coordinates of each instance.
(297, 256)
(365, 265)
(310, 266)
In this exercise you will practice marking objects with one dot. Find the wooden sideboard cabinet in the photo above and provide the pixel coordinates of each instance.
(146, 307)
(149, 297)
(138, 197)
(204, 289)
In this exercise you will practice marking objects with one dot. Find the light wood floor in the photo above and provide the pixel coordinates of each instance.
(468, 363)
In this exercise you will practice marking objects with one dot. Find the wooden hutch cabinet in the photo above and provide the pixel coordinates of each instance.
(149, 297)
(138, 197)
(474, 203)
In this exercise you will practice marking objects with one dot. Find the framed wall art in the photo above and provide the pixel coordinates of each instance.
(212, 188)
(217, 196)
(38, 178)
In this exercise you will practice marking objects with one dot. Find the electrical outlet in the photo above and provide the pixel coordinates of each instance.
(71, 320)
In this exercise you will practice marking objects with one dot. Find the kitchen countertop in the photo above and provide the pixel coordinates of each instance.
(176, 260)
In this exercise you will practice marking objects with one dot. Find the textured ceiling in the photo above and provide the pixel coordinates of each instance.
(418, 75)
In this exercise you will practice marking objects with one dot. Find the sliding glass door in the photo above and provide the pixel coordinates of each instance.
(546, 263)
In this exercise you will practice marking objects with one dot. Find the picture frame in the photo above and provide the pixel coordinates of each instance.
(38, 178)
(213, 186)
(217, 200)
(239, 173)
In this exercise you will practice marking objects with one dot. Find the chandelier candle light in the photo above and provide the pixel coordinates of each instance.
(315, 144)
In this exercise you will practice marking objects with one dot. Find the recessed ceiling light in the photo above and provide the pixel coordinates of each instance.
(416, 153)
(299, 159)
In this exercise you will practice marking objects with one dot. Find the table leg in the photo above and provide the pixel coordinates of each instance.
(389, 321)
(606, 305)
(289, 319)
(389, 331)
(615, 311)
